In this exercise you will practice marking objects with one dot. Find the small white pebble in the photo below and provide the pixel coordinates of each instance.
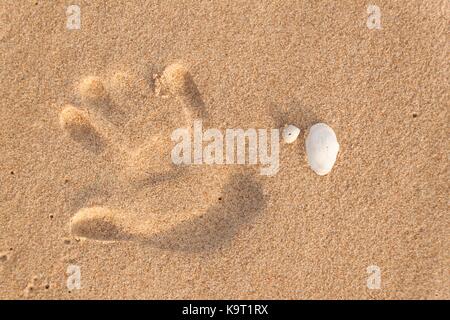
(322, 148)
(290, 133)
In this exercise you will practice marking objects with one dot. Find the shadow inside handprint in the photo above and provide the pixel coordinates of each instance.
(242, 201)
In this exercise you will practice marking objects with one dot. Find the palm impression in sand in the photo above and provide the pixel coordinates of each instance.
(129, 146)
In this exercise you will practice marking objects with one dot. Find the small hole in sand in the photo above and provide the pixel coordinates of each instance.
(50, 216)
(66, 180)
(414, 115)
(12, 172)
(220, 198)
(10, 249)
(47, 286)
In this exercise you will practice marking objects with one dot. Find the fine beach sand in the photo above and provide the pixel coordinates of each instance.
(86, 178)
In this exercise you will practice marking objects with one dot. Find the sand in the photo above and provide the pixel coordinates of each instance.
(86, 180)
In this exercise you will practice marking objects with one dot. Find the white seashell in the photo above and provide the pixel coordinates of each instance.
(321, 148)
(290, 133)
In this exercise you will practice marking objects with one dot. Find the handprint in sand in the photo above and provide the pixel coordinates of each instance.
(124, 123)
